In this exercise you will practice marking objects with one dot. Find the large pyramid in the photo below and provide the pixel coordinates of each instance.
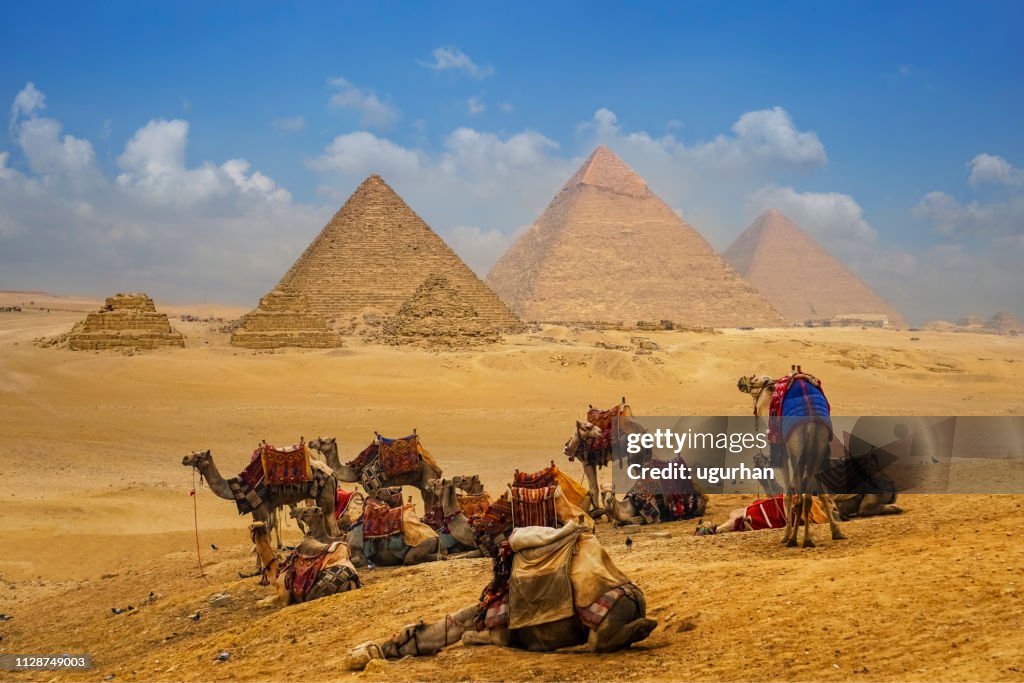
(608, 250)
(373, 255)
(796, 274)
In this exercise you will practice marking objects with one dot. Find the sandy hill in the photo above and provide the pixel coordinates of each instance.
(798, 276)
(607, 249)
(374, 253)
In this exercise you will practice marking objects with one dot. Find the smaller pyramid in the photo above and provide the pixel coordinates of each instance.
(799, 277)
(437, 314)
(284, 318)
(125, 321)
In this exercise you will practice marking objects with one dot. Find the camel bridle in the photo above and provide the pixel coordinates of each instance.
(412, 635)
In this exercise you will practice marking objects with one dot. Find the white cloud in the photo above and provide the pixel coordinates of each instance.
(373, 111)
(362, 153)
(161, 226)
(988, 168)
(27, 102)
(480, 249)
(475, 105)
(289, 123)
(950, 217)
(507, 107)
(832, 218)
(454, 59)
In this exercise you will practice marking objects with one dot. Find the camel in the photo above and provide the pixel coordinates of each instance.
(202, 461)
(848, 504)
(807, 448)
(621, 512)
(335, 575)
(328, 448)
(469, 484)
(393, 550)
(624, 624)
(312, 519)
(456, 534)
(584, 432)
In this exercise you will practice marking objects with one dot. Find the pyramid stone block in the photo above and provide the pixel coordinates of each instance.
(437, 315)
(607, 250)
(284, 318)
(125, 321)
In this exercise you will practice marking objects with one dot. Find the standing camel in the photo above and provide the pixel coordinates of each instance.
(574, 450)
(807, 448)
(276, 497)
(420, 479)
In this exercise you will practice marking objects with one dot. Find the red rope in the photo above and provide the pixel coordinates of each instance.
(195, 519)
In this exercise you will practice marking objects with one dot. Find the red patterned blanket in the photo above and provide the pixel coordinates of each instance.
(534, 507)
(399, 456)
(301, 571)
(379, 520)
(542, 479)
(286, 465)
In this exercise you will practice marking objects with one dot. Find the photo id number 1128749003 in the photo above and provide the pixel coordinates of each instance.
(18, 662)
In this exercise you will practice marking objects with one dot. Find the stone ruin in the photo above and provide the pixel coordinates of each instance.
(438, 315)
(284, 318)
(125, 321)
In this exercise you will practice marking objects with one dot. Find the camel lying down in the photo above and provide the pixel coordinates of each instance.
(624, 625)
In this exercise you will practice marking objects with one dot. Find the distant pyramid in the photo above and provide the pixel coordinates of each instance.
(800, 279)
(374, 253)
(283, 318)
(608, 250)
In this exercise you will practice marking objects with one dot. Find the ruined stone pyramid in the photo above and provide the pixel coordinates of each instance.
(125, 321)
(437, 315)
(283, 318)
(373, 255)
(608, 250)
(800, 279)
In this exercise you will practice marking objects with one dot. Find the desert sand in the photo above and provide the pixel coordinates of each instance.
(95, 510)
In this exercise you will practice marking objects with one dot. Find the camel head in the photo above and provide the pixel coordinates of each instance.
(197, 459)
(584, 432)
(306, 515)
(404, 642)
(438, 487)
(753, 383)
(322, 443)
(471, 485)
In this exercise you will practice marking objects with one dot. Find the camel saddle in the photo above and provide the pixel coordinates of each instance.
(303, 565)
(286, 466)
(381, 520)
(534, 506)
(398, 456)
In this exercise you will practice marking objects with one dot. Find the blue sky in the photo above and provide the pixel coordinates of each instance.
(889, 131)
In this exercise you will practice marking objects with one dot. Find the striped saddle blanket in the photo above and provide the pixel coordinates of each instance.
(534, 506)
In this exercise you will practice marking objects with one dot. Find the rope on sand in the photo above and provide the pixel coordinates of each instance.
(195, 519)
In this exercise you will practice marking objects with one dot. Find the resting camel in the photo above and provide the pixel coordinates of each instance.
(312, 519)
(336, 575)
(420, 479)
(806, 448)
(470, 485)
(391, 551)
(456, 534)
(621, 512)
(276, 497)
(624, 624)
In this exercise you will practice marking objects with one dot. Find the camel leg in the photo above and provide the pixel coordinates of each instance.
(789, 538)
(624, 625)
(424, 552)
(874, 504)
(590, 472)
(807, 500)
(833, 521)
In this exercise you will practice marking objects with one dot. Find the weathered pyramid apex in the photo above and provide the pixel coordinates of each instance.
(603, 169)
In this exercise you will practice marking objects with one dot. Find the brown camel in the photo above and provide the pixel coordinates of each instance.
(621, 512)
(574, 450)
(624, 624)
(276, 497)
(394, 550)
(420, 479)
(456, 534)
(807, 448)
(312, 519)
(470, 485)
(336, 574)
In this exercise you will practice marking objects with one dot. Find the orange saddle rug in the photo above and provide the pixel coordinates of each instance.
(286, 466)
(380, 521)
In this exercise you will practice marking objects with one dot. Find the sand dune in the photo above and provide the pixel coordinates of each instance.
(91, 486)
